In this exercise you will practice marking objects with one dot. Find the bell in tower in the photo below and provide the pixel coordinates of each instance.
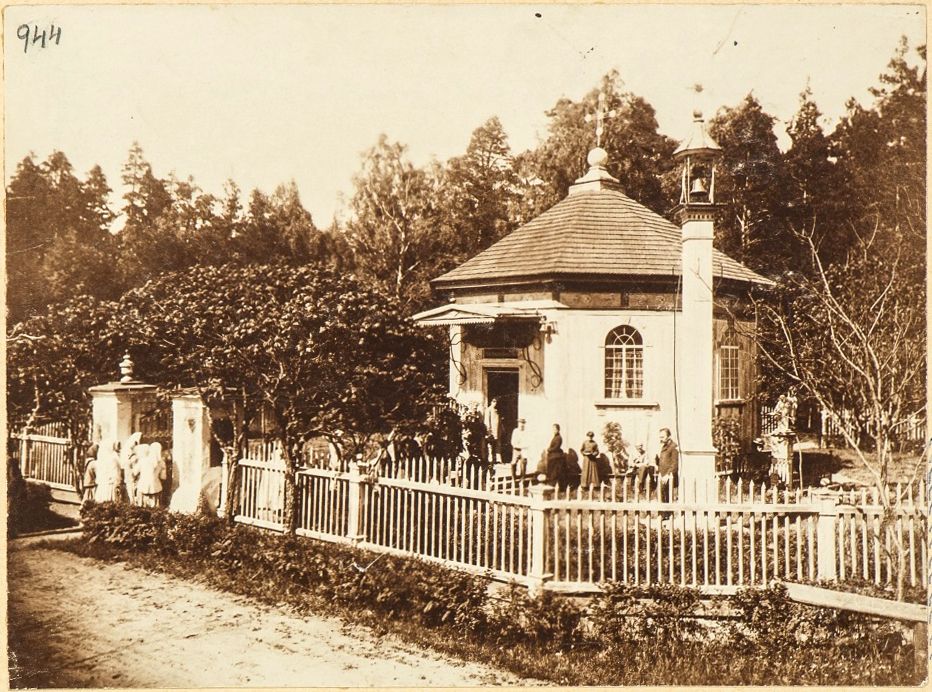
(697, 156)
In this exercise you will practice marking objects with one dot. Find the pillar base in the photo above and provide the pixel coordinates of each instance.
(698, 482)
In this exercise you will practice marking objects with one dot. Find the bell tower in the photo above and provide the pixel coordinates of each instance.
(697, 157)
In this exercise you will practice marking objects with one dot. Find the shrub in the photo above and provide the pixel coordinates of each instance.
(615, 443)
(548, 621)
(29, 508)
(660, 615)
(296, 568)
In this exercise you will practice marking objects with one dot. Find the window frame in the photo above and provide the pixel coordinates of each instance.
(730, 367)
(623, 349)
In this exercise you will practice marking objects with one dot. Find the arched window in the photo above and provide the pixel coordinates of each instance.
(624, 364)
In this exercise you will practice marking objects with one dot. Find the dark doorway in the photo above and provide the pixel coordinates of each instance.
(503, 385)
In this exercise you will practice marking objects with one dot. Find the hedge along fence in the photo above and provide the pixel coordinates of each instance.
(575, 541)
(624, 635)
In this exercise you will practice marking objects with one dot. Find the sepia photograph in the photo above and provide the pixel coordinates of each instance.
(466, 345)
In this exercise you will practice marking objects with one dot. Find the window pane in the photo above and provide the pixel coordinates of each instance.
(634, 372)
(624, 367)
(728, 373)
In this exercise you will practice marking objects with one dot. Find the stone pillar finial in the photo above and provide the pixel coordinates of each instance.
(126, 369)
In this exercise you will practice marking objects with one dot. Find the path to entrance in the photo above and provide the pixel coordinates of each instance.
(78, 622)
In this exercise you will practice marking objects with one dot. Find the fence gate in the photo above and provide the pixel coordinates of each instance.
(156, 426)
(46, 454)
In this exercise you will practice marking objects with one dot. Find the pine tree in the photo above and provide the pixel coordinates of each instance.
(639, 156)
(752, 185)
(478, 193)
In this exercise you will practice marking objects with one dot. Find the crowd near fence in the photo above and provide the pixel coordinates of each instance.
(485, 519)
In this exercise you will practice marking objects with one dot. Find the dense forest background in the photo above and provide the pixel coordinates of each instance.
(839, 213)
(69, 235)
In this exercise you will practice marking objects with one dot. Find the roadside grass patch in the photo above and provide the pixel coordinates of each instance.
(625, 636)
(29, 510)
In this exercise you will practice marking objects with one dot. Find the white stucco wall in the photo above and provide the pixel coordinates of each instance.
(572, 394)
(578, 350)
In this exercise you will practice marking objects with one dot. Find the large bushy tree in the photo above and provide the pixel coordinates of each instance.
(53, 359)
(752, 186)
(57, 236)
(478, 194)
(326, 356)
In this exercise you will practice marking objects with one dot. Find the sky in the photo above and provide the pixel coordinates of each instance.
(268, 94)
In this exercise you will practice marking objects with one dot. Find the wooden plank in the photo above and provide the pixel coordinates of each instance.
(844, 600)
(570, 587)
(48, 439)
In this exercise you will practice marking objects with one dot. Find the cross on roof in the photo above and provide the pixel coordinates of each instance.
(600, 116)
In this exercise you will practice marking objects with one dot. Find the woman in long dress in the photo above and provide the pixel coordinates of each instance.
(590, 465)
(556, 459)
(152, 473)
(109, 473)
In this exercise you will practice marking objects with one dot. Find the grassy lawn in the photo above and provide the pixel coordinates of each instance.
(846, 467)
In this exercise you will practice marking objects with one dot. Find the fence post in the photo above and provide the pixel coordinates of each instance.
(24, 467)
(539, 494)
(224, 483)
(826, 533)
(356, 489)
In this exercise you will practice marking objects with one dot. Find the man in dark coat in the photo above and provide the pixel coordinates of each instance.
(668, 465)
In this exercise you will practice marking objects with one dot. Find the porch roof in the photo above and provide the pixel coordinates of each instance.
(486, 313)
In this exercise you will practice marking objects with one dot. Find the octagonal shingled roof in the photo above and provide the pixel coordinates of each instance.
(600, 233)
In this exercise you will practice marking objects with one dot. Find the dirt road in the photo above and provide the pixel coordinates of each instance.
(77, 622)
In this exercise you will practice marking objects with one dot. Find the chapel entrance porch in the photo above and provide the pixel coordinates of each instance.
(501, 385)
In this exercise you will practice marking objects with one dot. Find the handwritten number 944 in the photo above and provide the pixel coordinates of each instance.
(31, 35)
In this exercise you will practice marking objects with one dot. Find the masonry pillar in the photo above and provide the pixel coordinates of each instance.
(826, 535)
(694, 334)
(116, 407)
(190, 450)
(695, 360)
(537, 574)
(781, 454)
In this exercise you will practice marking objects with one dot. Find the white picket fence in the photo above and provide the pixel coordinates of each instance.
(913, 429)
(45, 454)
(575, 540)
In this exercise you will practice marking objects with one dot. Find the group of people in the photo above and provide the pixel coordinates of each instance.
(126, 472)
(560, 468)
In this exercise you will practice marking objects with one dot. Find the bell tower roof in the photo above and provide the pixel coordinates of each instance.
(699, 142)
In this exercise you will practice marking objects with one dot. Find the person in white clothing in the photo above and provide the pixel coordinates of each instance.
(152, 473)
(109, 473)
(492, 423)
(519, 440)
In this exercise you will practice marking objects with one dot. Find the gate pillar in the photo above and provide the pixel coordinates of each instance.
(117, 407)
(190, 450)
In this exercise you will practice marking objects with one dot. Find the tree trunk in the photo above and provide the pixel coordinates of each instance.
(232, 481)
(289, 516)
(292, 456)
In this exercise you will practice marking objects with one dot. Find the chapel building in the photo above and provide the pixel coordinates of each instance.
(579, 317)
